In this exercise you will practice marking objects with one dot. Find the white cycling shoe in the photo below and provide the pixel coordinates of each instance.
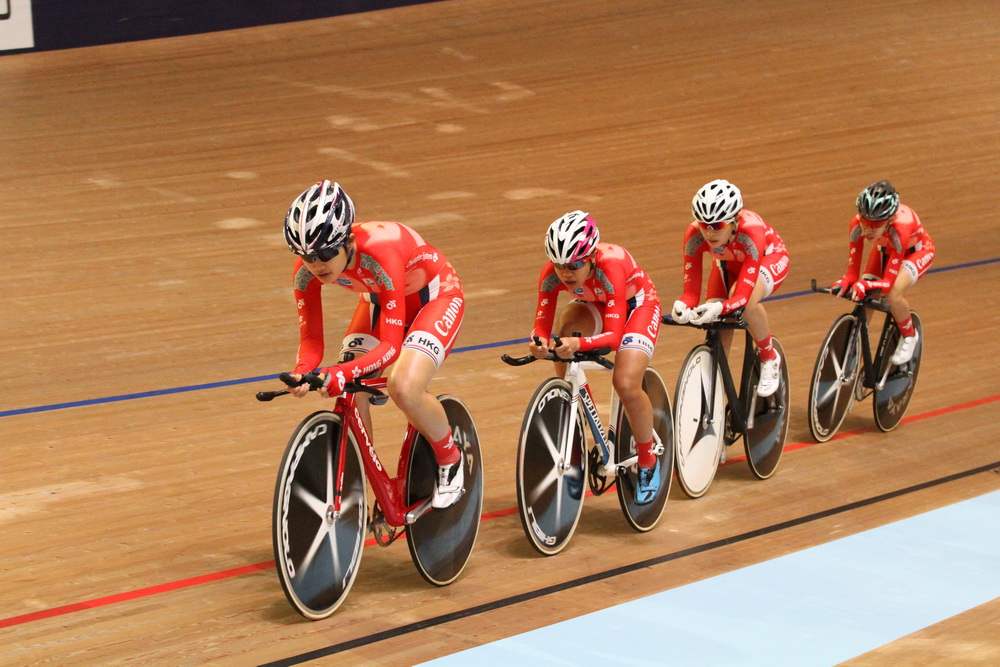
(770, 377)
(450, 485)
(905, 349)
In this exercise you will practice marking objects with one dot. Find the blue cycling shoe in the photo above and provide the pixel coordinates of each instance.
(648, 484)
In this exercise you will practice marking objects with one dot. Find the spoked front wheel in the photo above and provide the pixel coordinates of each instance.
(699, 421)
(894, 397)
(317, 550)
(831, 391)
(645, 517)
(550, 483)
(764, 441)
(441, 541)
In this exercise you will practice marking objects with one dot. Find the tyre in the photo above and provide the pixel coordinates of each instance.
(832, 388)
(699, 422)
(441, 541)
(317, 552)
(645, 517)
(550, 486)
(765, 442)
(892, 400)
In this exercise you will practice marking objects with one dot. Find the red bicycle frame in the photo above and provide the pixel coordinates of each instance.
(389, 491)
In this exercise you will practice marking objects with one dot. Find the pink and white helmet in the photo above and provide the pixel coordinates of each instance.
(571, 238)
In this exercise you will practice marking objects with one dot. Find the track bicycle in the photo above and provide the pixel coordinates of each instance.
(846, 372)
(553, 461)
(320, 517)
(709, 414)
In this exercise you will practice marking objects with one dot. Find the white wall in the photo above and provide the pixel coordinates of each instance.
(15, 25)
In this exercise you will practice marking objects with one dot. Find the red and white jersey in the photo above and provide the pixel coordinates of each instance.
(752, 240)
(904, 236)
(616, 281)
(394, 269)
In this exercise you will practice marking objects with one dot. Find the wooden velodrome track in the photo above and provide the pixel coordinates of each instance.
(142, 188)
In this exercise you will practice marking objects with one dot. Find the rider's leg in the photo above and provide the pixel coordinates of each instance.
(756, 318)
(910, 271)
(630, 366)
(716, 290)
(874, 268)
(898, 304)
(359, 340)
(432, 334)
(407, 386)
(578, 317)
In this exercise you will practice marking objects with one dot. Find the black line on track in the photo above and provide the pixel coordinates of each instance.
(625, 569)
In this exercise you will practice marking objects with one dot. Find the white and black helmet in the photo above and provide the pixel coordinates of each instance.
(571, 238)
(319, 219)
(718, 201)
(879, 201)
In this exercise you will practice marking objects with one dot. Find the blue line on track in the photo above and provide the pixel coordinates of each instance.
(262, 378)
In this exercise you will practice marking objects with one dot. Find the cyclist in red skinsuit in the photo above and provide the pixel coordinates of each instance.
(410, 310)
(615, 304)
(902, 252)
(755, 262)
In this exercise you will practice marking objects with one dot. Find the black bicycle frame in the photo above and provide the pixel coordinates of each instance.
(738, 417)
(871, 362)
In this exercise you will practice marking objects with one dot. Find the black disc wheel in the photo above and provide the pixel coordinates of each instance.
(892, 399)
(317, 550)
(643, 517)
(699, 422)
(551, 473)
(441, 541)
(764, 440)
(832, 389)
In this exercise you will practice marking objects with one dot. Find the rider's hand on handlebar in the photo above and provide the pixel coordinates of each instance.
(862, 287)
(707, 313)
(333, 382)
(842, 286)
(570, 346)
(300, 390)
(538, 347)
(681, 313)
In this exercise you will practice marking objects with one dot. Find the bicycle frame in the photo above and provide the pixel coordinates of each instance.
(740, 419)
(862, 335)
(603, 439)
(389, 491)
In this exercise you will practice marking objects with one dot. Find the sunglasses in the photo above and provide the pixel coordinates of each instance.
(321, 255)
(872, 224)
(715, 226)
(572, 266)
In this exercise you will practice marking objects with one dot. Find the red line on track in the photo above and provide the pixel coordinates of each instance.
(267, 565)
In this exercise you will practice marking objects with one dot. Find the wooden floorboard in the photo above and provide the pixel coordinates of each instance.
(143, 187)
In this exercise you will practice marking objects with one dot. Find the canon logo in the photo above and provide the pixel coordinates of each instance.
(447, 321)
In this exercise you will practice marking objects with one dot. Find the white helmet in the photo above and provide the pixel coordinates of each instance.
(571, 238)
(319, 219)
(718, 201)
